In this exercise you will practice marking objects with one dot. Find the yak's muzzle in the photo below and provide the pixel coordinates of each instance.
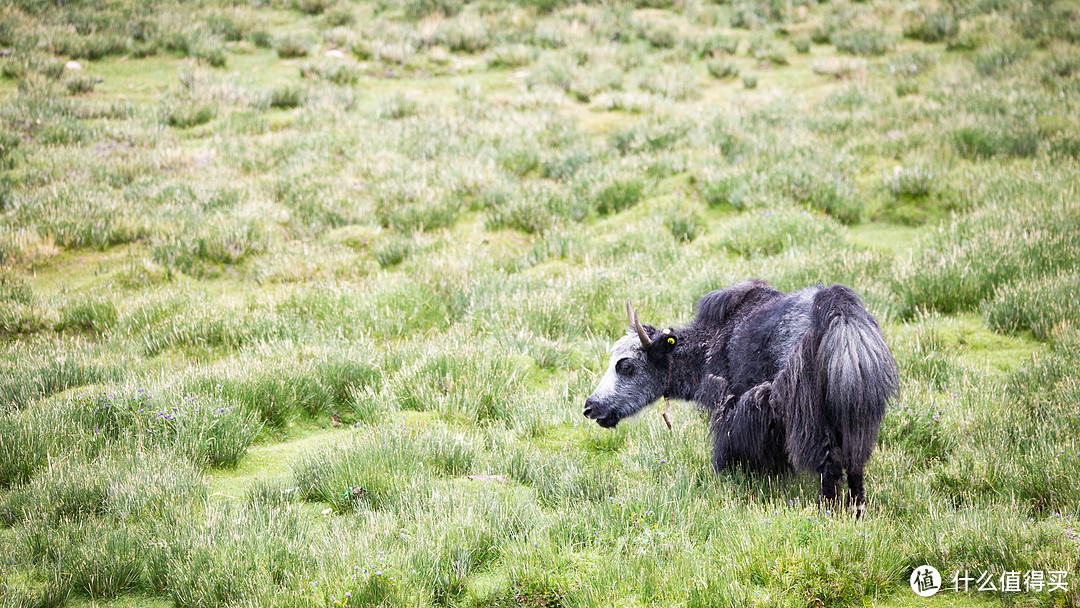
(595, 411)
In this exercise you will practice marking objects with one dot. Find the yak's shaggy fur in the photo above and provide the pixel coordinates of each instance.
(791, 380)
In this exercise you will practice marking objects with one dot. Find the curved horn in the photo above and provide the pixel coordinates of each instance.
(645, 341)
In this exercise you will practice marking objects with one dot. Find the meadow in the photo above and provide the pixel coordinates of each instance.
(300, 300)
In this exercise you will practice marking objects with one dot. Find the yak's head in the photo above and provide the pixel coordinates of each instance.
(636, 376)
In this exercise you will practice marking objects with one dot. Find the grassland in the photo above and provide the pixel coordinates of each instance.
(299, 301)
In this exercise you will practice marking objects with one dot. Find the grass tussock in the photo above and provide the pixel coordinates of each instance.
(1039, 307)
(992, 247)
(769, 233)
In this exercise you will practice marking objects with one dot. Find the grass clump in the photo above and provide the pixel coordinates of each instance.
(291, 47)
(651, 135)
(206, 431)
(510, 56)
(80, 84)
(675, 84)
(1039, 306)
(535, 209)
(763, 48)
(771, 232)
(418, 9)
(397, 106)
(209, 50)
(587, 84)
(415, 206)
(962, 265)
(659, 34)
(312, 7)
(831, 194)
(261, 38)
(32, 378)
(619, 195)
(930, 26)
(862, 41)
(186, 114)
(684, 223)
(119, 486)
(93, 314)
(343, 74)
(379, 474)
(724, 191)
(286, 97)
(9, 144)
(716, 45)
(991, 61)
(207, 249)
(22, 248)
(722, 68)
(911, 183)
(391, 251)
(315, 205)
(980, 142)
(464, 34)
(917, 196)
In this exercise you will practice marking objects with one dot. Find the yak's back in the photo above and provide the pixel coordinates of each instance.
(764, 339)
(720, 316)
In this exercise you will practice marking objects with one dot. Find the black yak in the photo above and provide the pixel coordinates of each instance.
(790, 380)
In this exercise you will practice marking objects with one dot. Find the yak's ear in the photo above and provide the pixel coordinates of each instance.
(665, 343)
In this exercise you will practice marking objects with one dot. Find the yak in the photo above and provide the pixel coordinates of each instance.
(795, 380)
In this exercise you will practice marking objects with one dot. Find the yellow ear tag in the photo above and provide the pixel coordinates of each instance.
(671, 340)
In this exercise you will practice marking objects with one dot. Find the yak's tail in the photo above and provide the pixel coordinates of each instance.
(837, 384)
(856, 368)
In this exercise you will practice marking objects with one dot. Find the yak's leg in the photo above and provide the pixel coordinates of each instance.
(832, 472)
(721, 453)
(714, 396)
(856, 493)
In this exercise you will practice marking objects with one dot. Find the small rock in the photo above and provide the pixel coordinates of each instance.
(335, 53)
(327, 511)
(73, 65)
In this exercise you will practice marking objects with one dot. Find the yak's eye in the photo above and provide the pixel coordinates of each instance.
(625, 367)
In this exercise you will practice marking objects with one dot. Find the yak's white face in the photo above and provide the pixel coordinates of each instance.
(630, 383)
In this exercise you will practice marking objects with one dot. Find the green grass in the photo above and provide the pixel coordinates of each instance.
(374, 256)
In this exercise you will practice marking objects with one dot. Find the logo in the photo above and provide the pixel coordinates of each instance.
(925, 581)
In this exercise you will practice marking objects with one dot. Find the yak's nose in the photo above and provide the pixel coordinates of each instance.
(589, 403)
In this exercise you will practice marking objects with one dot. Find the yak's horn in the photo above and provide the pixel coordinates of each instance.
(645, 341)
